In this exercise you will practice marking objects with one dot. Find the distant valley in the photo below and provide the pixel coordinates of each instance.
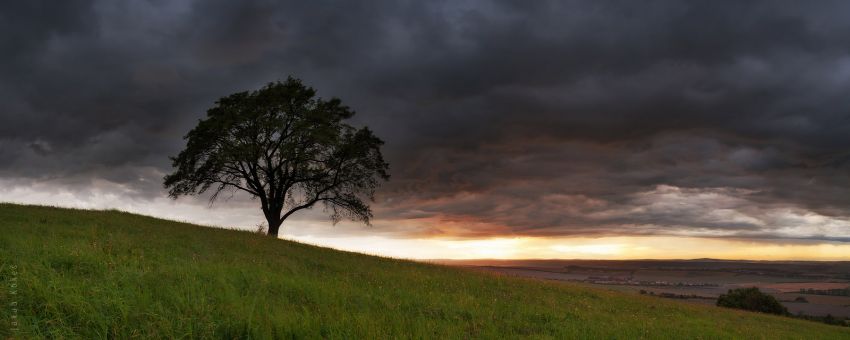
(809, 288)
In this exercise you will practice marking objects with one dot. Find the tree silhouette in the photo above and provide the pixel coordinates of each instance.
(751, 299)
(286, 147)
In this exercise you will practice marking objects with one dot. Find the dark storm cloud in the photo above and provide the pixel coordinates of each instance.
(529, 118)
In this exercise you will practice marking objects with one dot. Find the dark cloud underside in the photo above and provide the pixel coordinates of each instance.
(529, 118)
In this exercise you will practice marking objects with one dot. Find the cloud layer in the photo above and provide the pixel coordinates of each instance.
(528, 118)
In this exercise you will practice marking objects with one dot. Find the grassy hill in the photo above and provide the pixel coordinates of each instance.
(108, 274)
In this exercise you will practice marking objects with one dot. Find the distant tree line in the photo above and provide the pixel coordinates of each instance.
(675, 296)
(830, 292)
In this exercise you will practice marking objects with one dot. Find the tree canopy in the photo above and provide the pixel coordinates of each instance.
(751, 299)
(285, 147)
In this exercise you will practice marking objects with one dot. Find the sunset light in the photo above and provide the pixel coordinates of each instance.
(619, 248)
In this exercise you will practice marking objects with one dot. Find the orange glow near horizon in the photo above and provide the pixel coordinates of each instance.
(364, 240)
(614, 248)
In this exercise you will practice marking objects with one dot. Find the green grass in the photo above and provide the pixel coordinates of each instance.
(107, 274)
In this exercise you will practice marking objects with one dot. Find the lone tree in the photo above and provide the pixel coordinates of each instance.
(285, 146)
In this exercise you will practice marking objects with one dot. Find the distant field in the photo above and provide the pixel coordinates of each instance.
(704, 280)
(106, 274)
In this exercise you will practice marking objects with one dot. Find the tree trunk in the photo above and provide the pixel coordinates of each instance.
(274, 223)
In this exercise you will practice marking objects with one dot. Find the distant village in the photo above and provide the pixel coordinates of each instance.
(630, 281)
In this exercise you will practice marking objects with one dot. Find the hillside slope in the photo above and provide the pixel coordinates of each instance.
(99, 274)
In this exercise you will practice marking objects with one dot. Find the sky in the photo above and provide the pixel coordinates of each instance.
(513, 129)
